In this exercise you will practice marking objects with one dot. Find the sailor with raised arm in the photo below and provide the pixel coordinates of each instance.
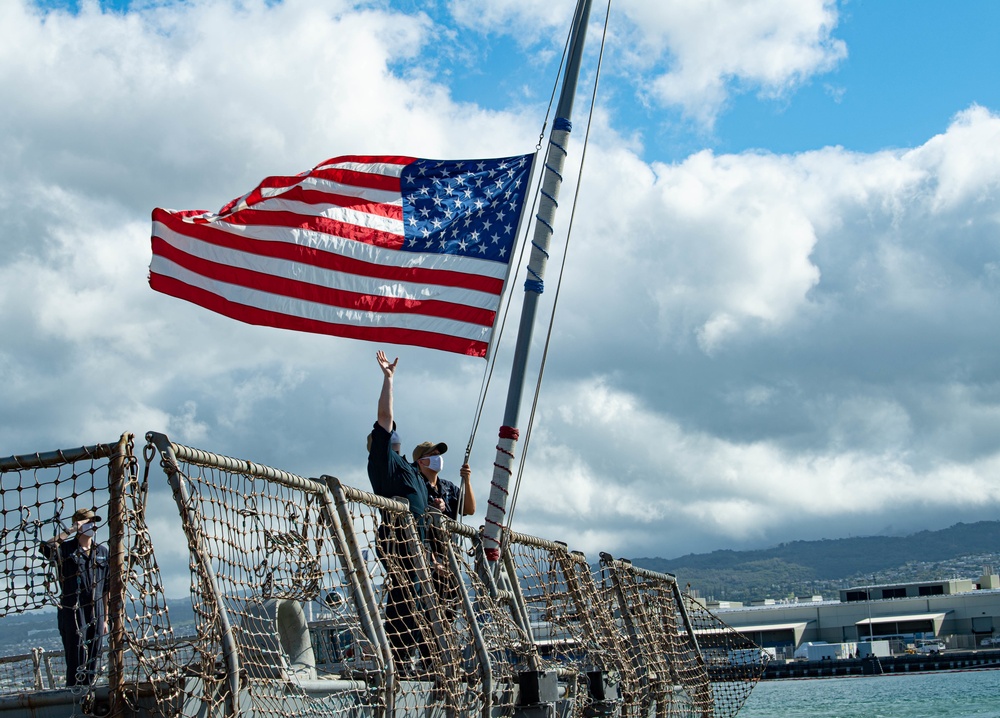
(390, 474)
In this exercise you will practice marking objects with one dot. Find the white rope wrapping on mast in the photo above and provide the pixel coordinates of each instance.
(552, 179)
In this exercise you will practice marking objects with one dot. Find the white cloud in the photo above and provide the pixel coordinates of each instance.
(692, 54)
(722, 247)
(634, 476)
(528, 20)
(713, 48)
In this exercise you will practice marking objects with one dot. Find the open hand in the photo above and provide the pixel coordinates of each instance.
(387, 368)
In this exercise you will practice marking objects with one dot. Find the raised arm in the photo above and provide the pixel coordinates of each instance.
(385, 398)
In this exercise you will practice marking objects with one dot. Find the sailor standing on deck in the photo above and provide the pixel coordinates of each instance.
(444, 496)
(83, 573)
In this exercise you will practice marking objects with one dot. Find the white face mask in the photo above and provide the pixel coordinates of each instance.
(88, 529)
(435, 463)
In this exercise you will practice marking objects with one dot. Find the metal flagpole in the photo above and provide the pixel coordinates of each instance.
(555, 158)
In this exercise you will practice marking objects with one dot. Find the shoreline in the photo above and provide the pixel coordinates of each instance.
(893, 665)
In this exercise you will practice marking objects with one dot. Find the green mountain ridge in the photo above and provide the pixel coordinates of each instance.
(825, 566)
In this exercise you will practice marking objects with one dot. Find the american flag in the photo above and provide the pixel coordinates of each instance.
(381, 248)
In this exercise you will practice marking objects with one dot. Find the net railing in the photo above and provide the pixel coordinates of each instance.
(311, 597)
(40, 493)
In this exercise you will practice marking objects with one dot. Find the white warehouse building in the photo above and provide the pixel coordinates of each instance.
(963, 613)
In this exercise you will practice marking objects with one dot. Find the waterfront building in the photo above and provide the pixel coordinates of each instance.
(960, 612)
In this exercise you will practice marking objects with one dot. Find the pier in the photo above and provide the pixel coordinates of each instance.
(906, 663)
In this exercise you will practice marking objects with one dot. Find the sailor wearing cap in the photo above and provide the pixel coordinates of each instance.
(82, 564)
(441, 493)
(391, 475)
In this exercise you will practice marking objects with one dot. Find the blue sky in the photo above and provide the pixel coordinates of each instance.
(779, 315)
(909, 66)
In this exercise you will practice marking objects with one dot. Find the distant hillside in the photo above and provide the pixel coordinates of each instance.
(802, 567)
(21, 632)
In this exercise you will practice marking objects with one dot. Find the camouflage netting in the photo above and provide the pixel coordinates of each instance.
(315, 598)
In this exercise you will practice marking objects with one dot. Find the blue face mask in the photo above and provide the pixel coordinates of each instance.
(88, 529)
(435, 463)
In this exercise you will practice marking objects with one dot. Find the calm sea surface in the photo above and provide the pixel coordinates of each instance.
(927, 695)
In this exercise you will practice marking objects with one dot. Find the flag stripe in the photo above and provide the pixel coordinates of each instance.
(374, 164)
(280, 320)
(318, 198)
(323, 287)
(390, 249)
(360, 175)
(338, 221)
(415, 291)
(375, 195)
(299, 309)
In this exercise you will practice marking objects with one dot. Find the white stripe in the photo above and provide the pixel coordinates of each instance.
(335, 212)
(319, 312)
(309, 274)
(356, 250)
(386, 169)
(382, 196)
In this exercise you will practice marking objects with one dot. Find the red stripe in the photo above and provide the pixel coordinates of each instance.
(281, 286)
(353, 177)
(263, 317)
(315, 196)
(294, 220)
(327, 260)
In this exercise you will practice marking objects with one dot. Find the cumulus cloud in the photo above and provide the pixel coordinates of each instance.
(639, 480)
(753, 244)
(690, 54)
(715, 48)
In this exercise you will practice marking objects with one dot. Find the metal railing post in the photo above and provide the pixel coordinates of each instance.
(230, 651)
(116, 572)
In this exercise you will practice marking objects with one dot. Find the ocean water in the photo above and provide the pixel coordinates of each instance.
(926, 695)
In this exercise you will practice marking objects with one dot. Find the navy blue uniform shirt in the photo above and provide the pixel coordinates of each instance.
(449, 492)
(84, 576)
(391, 475)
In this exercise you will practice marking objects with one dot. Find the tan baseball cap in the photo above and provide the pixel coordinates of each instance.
(420, 450)
(85, 515)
